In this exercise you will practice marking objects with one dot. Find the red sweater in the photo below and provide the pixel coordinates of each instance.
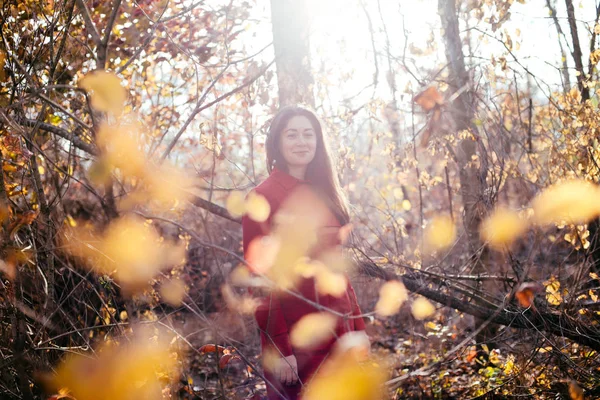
(279, 312)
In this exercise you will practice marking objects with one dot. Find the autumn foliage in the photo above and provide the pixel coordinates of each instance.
(132, 133)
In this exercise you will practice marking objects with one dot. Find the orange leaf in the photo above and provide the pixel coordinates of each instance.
(472, 354)
(25, 219)
(211, 348)
(429, 98)
(575, 391)
(526, 293)
(226, 359)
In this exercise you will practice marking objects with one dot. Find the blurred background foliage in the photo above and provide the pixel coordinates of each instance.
(466, 136)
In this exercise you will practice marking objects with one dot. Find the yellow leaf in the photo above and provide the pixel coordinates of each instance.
(71, 221)
(406, 205)
(307, 268)
(120, 371)
(106, 91)
(166, 185)
(391, 296)
(573, 201)
(241, 276)
(123, 149)
(345, 378)
(330, 283)
(440, 233)
(422, 308)
(271, 359)
(313, 329)
(128, 248)
(262, 253)
(509, 365)
(502, 228)
(173, 292)
(257, 207)
(241, 304)
(235, 204)
(398, 193)
(553, 295)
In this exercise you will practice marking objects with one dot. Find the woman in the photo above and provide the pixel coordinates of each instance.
(297, 160)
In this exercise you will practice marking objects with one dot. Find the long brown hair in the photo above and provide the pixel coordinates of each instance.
(321, 170)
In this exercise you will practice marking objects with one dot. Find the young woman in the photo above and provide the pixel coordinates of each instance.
(298, 160)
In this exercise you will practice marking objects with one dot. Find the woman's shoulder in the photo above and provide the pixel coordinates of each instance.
(268, 188)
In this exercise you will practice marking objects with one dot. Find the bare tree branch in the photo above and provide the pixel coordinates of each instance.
(111, 22)
(213, 208)
(577, 54)
(77, 142)
(200, 107)
(89, 23)
(556, 323)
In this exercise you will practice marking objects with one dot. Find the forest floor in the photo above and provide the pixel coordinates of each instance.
(418, 352)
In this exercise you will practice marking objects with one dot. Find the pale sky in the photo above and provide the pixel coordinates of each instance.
(340, 35)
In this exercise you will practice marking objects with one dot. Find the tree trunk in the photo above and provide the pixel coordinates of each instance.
(471, 181)
(577, 54)
(593, 226)
(291, 25)
(462, 111)
(563, 54)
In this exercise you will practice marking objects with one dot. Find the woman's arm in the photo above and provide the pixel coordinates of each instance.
(269, 315)
(359, 323)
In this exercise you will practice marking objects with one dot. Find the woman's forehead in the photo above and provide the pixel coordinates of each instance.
(298, 122)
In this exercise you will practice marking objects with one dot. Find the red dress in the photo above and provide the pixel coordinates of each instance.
(279, 312)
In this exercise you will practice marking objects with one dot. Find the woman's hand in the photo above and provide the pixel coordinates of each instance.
(356, 343)
(287, 370)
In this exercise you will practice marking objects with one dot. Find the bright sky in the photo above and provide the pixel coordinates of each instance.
(342, 50)
(341, 38)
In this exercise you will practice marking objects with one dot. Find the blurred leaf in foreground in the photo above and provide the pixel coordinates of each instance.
(105, 90)
(574, 201)
(343, 377)
(440, 233)
(138, 368)
(502, 227)
(129, 248)
(391, 297)
(422, 308)
(313, 329)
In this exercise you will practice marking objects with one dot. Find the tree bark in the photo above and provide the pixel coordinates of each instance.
(593, 226)
(541, 318)
(462, 111)
(291, 24)
(563, 54)
(471, 180)
(577, 54)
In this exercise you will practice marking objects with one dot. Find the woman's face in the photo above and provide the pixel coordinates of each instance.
(298, 142)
